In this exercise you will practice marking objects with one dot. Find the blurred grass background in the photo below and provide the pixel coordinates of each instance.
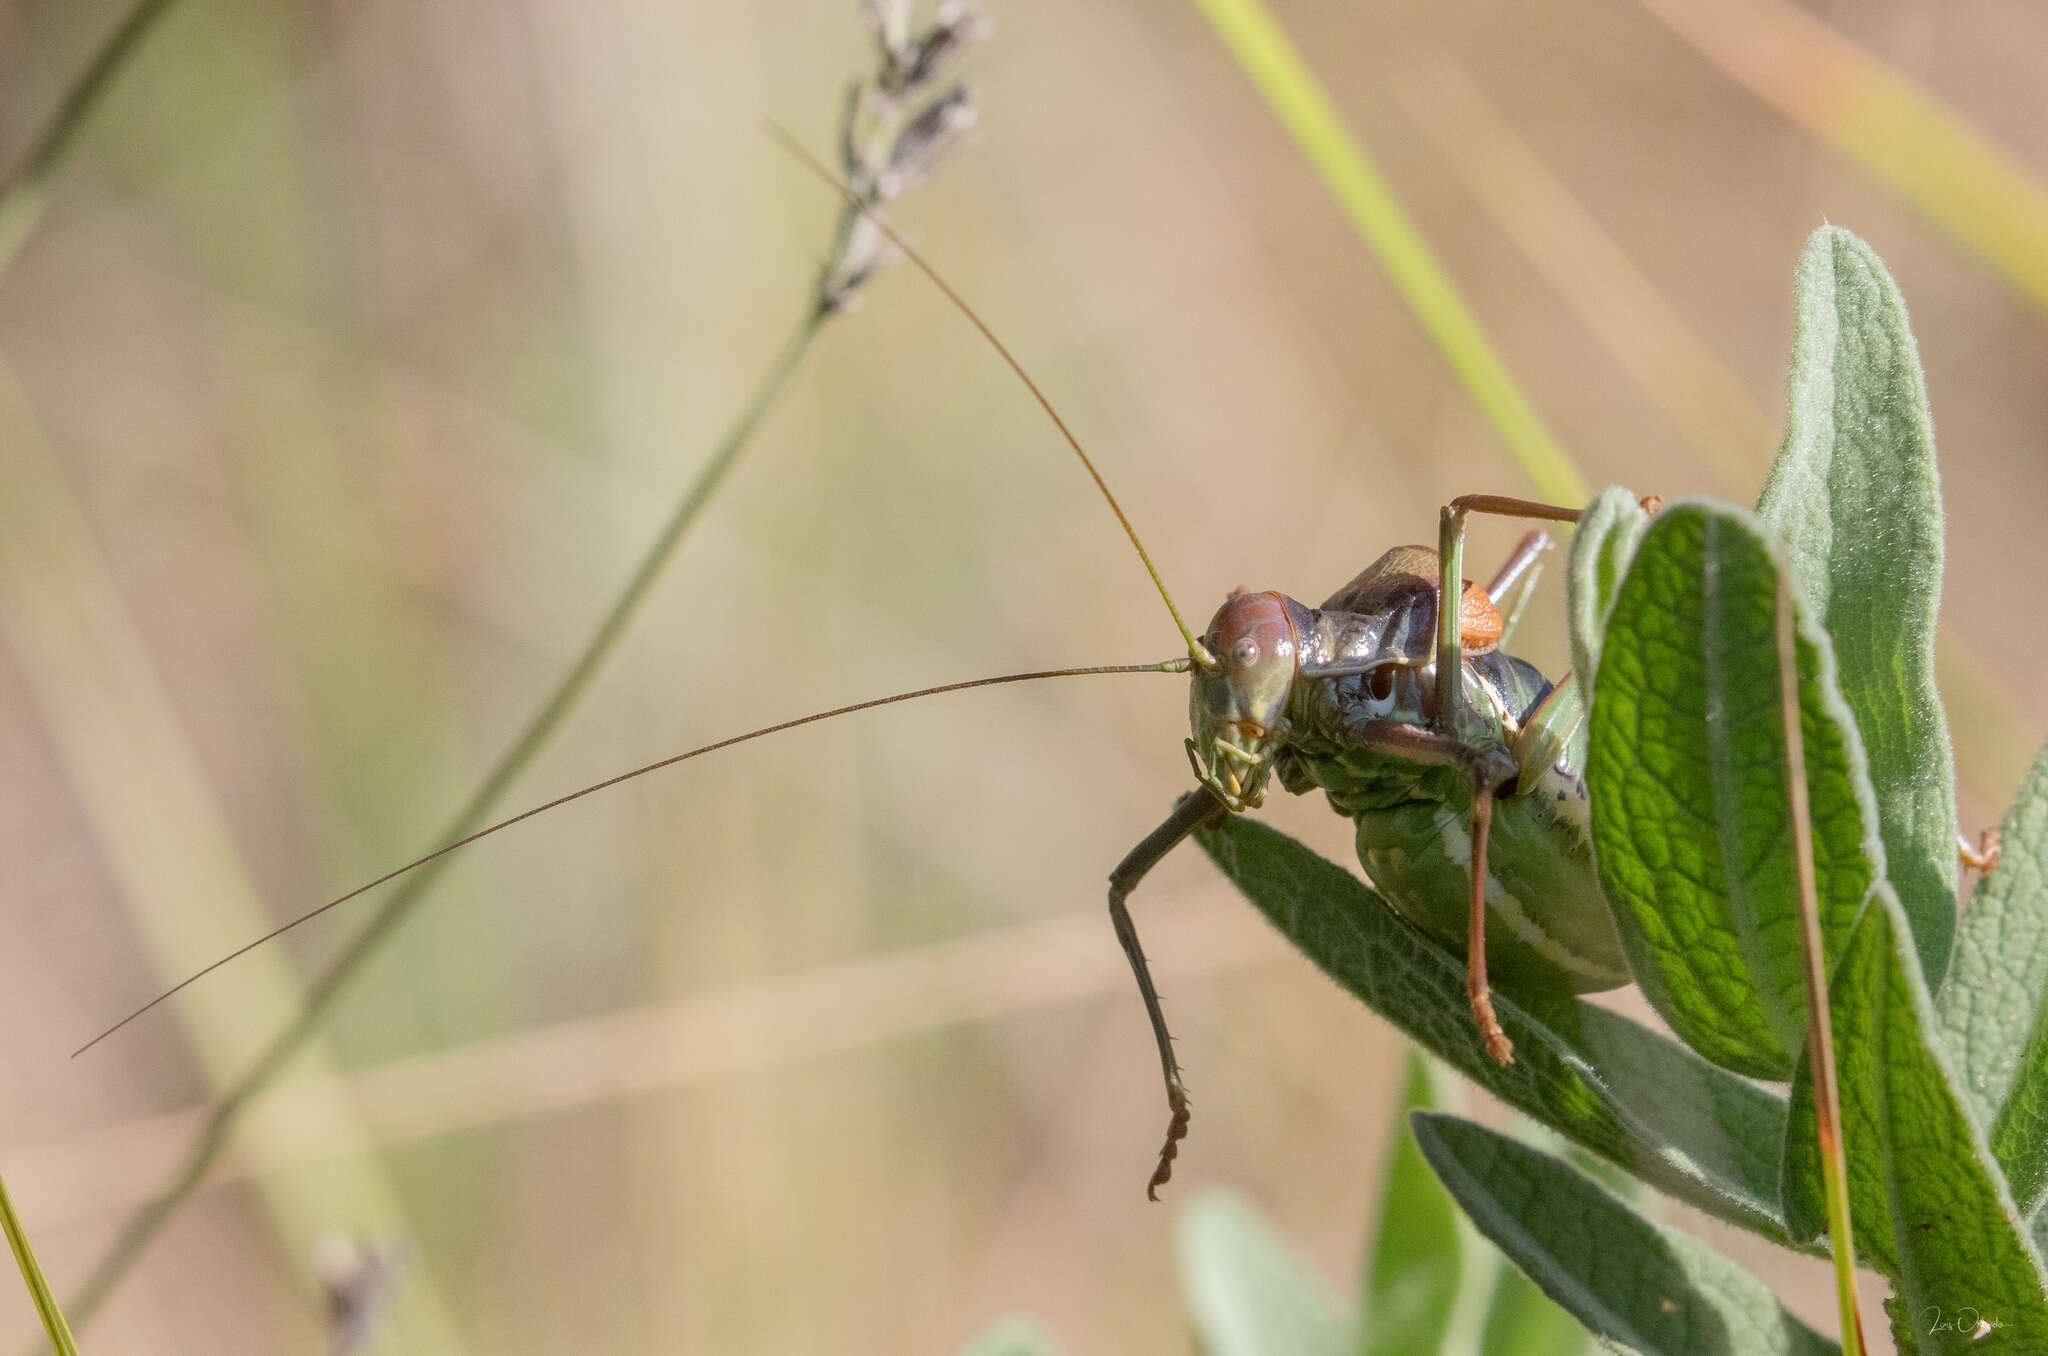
(368, 343)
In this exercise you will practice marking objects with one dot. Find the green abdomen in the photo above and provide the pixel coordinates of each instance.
(1546, 925)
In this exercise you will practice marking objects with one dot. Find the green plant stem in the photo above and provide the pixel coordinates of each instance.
(1275, 66)
(32, 1275)
(27, 186)
(1820, 1041)
(323, 994)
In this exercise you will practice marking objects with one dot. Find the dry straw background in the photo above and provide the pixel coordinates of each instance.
(362, 345)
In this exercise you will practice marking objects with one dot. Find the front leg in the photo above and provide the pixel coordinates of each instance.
(1193, 811)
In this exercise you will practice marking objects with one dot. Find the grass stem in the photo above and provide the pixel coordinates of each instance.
(26, 187)
(32, 1275)
(1820, 1041)
(1275, 66)
(326, 991)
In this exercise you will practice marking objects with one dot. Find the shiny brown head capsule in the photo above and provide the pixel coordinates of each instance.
(1237, 707)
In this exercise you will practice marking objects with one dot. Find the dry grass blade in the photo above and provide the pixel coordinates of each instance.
(140, 784)
(1907, 139)
(1820, 1040)
(878, 132)
(682, 1042)
(46, 1304)
(302, 1028)
(27, 186)
(1273, 63)
(1668, 362)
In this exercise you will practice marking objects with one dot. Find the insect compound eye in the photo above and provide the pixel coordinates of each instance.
(1245, 653)
(1380, 683)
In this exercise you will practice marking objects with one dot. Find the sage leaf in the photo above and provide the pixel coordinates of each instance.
(1650, 1289)
(1929, 1208)
(1994, 1009)
(1602, 545)
(1633, 1097)
(1686, 770)
(2019, 1137)
(1855, 498)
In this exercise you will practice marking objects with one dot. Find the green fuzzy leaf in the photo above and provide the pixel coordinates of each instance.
(1603, 1082)
(2019, 1138)
(1994, 1022)
(1602, 545)
(1012, 1337)
(1416, 1263)
(1247, 1292)
(1929, 1209)
(1686, 769)
(1650, 1289)
(1855, 498)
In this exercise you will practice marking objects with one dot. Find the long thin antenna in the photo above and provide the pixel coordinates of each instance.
(1168, 666)
(1196, 650)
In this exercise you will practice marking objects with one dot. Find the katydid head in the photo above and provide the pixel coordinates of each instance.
(1237, 707)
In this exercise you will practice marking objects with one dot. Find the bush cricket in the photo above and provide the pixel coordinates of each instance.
(1459, 765)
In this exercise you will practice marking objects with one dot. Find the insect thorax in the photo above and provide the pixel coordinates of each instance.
(1413, 822)
(1502, 689)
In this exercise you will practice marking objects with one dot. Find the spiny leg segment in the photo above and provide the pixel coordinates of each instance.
(1523, 567)
(1488, 769)
(1194, 810)
(1449, 723)
(1522, 561)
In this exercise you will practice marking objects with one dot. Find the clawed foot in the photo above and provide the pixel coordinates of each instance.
(1176, 1131)
(1981, 856)
(1497, 1043)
